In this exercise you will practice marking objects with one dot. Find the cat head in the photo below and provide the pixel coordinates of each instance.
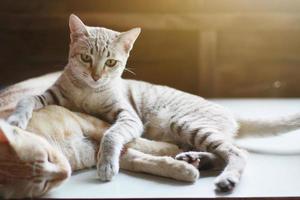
(29, 166)
(98, 55)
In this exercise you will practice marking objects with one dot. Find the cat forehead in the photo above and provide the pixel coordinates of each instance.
(102, 36)
(97, 40)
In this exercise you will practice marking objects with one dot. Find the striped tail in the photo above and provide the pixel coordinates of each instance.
(268, 127)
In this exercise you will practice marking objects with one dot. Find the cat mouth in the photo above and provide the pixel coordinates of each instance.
(100, 82)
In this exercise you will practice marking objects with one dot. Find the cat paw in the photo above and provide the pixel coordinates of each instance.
(200, 160)
(19, 120)
(106, 170)
(226, 182)
(189, 157)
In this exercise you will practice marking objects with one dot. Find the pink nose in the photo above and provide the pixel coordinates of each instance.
(95, 77)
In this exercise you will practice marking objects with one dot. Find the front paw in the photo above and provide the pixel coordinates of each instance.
(106, 170)
(19, 120)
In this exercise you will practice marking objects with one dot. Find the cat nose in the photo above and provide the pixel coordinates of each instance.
(62, 175)
(96, 77)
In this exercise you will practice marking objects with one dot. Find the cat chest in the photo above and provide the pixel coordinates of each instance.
(98, 105)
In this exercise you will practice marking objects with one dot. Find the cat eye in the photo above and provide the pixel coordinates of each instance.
(110, 62)
(86, 58)
(45, 186)
(49, 158)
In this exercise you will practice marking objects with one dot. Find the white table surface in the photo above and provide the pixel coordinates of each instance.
(265, 174)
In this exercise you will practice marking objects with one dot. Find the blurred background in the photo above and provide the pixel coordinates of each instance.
(213, 48)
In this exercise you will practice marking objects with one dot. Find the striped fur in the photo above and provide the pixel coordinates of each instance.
(10, 96)
(58, 141)
(88, 84)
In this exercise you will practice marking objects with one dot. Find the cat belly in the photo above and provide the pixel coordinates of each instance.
(167, 124)
(158, 134)
(80, 152)
(157, 128)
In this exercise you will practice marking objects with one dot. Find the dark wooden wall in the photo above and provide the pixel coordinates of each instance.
(227, 48)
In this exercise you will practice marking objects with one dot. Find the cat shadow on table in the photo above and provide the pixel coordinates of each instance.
(162, 180)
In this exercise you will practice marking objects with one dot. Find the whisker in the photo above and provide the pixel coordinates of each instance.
(128, 70)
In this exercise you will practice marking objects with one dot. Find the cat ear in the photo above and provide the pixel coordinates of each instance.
(127, 39)
(3, 138)
(77, 27)
(6, 133)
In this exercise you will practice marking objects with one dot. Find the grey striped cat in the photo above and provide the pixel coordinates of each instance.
(92, 83)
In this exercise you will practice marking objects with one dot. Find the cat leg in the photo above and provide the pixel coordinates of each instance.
(202, 160)
(148, 156)
(165, 166)
(23, 112)
(215, 142)
(126, 128)
(156, 148)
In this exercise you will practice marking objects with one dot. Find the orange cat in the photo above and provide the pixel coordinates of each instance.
(58, 141)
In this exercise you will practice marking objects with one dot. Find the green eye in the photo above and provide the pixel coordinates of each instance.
(86, 58)
(110, 62)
